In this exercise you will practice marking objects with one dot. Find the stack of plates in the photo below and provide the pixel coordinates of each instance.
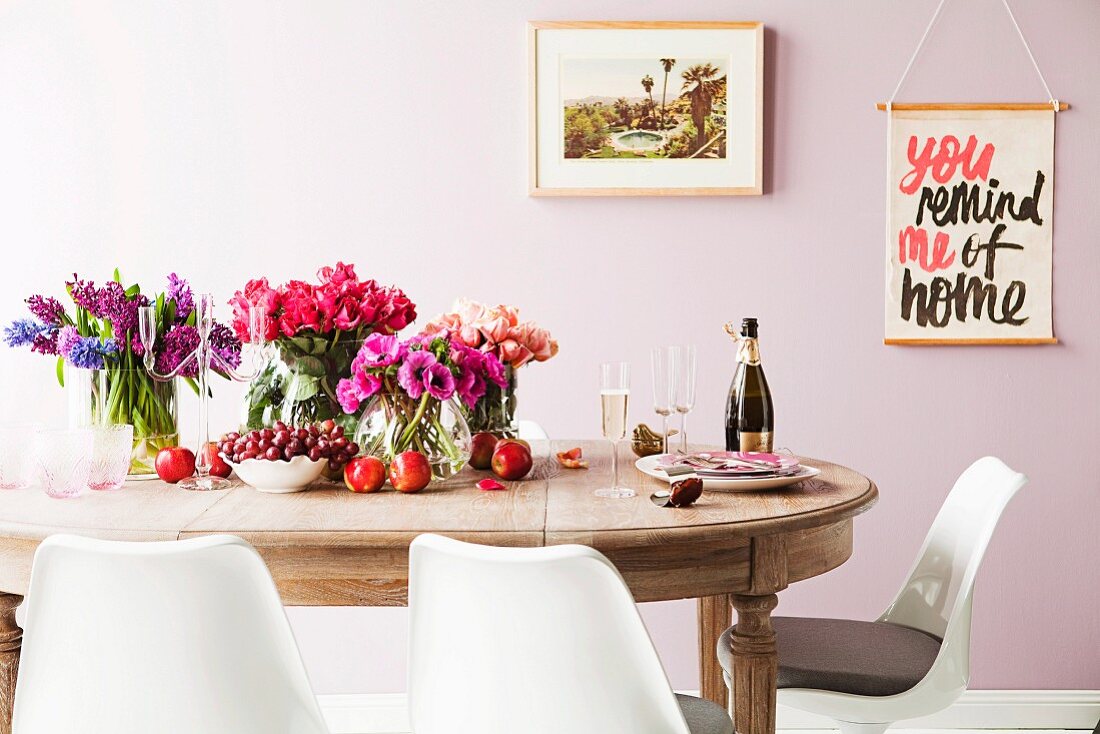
(729, 470)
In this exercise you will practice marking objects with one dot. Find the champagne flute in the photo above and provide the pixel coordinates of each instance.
(614, 397)
(661, 363)
(683, 377)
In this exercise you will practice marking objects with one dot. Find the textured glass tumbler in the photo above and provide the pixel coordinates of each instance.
(111, 447)
(16, 463)
(63, 460)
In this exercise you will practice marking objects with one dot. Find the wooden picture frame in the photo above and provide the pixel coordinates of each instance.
(726, 160)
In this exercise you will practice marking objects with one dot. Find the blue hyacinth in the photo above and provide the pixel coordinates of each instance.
(90, 353)
(22, 332)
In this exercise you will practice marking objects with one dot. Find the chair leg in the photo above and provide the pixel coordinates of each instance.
(850, 727)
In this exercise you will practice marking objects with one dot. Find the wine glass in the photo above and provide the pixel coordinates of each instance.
(661, 363)
(683, 392)
(614, 396)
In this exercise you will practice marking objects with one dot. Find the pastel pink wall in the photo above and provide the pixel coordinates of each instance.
(225, 140)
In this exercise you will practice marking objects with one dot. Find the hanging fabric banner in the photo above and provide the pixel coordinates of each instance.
(969, 245)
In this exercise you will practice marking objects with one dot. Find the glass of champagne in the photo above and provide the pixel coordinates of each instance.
(661, 363)
(683, 392)
(614, 396)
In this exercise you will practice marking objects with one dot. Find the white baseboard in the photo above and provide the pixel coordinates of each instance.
(384, 713)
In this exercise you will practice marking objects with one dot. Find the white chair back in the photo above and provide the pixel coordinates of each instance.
(533, 640)
(179, 636)
(532, 431)
(937, 596)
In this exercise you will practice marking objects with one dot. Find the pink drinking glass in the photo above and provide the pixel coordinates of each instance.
(112, 446)
(63, 460)
(16, 460)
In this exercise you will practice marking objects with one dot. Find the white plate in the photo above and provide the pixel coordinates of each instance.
(648, 465)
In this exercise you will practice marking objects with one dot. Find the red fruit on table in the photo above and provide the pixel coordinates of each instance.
(520, 441)
(218, 467)
(410, 472)
(512, 460)
(365, 474)
(175, 463)
(482, 446)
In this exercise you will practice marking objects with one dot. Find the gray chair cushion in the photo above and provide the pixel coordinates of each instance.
(862, 658)
(704, 717)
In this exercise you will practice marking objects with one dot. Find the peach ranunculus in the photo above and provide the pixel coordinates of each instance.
(496, 330)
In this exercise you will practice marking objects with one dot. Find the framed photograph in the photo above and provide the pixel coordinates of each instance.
(662, 108)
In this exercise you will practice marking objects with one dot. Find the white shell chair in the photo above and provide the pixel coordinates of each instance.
(531, 431)
(535, 640)
(177, 636)
(914, 660)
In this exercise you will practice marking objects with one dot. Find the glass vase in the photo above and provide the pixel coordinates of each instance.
(119, 396)
(298, 383)
(496, 411)
(390, 425)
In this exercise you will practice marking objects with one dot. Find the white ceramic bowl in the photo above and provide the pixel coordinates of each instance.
(278, 477)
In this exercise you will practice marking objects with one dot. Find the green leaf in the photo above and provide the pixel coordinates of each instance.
(311, 366)
(304, 388)
(303, 344)
(61, 371)
(320, 346)
(132, 290)
(118, 276)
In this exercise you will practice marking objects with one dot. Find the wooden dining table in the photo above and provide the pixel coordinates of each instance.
(330, 547)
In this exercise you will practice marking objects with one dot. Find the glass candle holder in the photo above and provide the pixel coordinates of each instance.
(63, 460)
(16, 462)
(111, 446)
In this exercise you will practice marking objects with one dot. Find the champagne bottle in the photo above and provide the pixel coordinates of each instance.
(750, 417)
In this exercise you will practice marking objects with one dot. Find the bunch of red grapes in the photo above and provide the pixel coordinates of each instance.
(281, 442)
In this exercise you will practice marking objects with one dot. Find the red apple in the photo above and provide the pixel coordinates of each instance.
(482, 446)
(365, 474)
(512, 460)
(218, 467)
(410, 472)
(175, 463)
(520, 441)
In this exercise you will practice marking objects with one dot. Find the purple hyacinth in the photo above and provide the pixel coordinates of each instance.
(181, 340)
(46, 342)
(180, 291)
(66, 340)
(23, 332)
(225, 344)
(177, 345)
(116, 307)
(48, 310)
(84, 293)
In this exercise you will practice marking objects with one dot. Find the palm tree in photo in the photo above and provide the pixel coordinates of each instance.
(647, 85)
(667, 64)
(622, 106)
(701, 86)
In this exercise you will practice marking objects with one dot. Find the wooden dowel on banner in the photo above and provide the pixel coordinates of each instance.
(967, 342)
(915, 106)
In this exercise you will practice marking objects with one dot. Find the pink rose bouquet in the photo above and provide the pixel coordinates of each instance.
(495, 330)
(316, 329)
(412, 382)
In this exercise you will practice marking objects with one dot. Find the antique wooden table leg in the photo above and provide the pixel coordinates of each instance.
(714, 618)
(10, 639)
(755, 664)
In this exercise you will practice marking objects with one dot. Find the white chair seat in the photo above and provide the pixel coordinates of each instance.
(846, 656)
(704, 717)
(914, 660)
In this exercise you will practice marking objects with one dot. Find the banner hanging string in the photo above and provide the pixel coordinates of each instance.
(928, 32)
